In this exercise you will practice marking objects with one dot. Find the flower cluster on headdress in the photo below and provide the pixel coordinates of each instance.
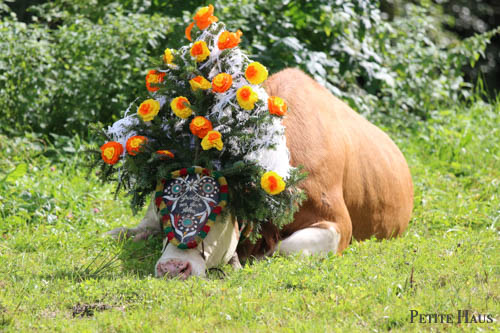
(186, 96)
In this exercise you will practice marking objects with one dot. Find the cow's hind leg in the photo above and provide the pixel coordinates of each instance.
(331, 232)
(322, 237)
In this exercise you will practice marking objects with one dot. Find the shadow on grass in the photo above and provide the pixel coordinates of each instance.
(115, 259)
(139, 258)
(126, 257)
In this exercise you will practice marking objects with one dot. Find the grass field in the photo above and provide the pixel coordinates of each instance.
(58, 273)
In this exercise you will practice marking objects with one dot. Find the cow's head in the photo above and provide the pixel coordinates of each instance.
(217, 248)
(197, 234)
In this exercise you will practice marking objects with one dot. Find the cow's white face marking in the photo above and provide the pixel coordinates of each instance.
(219, 246)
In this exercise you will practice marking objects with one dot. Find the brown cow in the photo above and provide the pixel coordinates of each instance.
(358, 184)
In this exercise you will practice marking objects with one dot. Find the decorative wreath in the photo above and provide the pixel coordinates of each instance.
(206, 107)
(205, 192)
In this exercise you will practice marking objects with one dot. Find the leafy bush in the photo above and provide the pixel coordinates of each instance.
(464, 18)
(83, 60)
(380, 67)
(61, 80)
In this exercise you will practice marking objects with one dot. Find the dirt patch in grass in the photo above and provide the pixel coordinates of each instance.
(87, 310)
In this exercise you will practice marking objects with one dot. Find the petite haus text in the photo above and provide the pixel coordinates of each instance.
(461, 317)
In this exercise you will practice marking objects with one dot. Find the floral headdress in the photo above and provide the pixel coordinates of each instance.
(206, 108)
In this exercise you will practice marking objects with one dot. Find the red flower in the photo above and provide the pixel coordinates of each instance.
(135, 144)
(228, 40)
(183, 172)
(111, 152)
(170, 235)
(277, 106)
(158, 201)
(200, 126)
(204, 17)
(154, 77)
(165, 154)
(206, 228)
(223, 189)
(192, 244)
(188, 31)
(206, 172)
(217, 210)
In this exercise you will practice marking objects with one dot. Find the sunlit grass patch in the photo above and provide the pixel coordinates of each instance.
(59, 273)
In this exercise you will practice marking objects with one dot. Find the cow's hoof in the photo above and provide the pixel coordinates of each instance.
(174, 268)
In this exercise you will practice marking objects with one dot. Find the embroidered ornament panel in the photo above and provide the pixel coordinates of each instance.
(189, 203)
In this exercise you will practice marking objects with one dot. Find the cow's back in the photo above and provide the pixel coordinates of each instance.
(348, 160)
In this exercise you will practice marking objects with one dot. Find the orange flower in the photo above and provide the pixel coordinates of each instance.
(200, 82)
(221, 82)
(200, 126)
(200, 51)
(148, 109)
(256, 73)
(213, 139)
(246, 97)
(154, 77)
(272, 183)
(134, 144)
(277, 106)
(204, 17)
(187, 32)
(228, 40)
(111, 152)
(180, 108)
(165, 154)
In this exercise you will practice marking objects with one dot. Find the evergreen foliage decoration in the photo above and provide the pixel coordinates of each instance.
(207, 108)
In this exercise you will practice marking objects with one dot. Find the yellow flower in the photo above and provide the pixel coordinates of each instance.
(272, 183)
(168, 57)
(154, 77)
(148, 109)
(246, 97)
(200, 51)
(221, 82)
(180, 108)
(200, 82)
(256, 73)
(213, 139)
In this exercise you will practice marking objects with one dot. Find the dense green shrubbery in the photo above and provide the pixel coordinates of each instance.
(464, 18)
(61, 80)
(385, 68)
(82, 62)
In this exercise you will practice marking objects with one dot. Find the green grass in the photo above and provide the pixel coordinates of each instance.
(58, 273)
